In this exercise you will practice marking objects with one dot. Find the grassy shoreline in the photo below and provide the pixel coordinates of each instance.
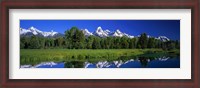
(35, 56)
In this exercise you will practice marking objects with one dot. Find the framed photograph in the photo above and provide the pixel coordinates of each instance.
(100, 44)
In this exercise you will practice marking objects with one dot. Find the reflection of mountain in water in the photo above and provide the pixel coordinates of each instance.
(141, 62)
(117, 64)
(44, 65)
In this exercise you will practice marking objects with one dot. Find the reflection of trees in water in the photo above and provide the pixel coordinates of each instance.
(144, 60)
(80, 64)
(74, 64)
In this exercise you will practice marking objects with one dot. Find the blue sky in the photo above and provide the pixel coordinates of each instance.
(169, 28)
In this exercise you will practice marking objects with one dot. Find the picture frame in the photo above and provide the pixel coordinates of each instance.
(118, 4)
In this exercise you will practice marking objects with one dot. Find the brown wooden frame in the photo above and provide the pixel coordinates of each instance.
(103, 4)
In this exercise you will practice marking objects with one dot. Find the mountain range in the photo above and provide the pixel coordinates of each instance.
(98, 32)
(106, 33)
(34, 31)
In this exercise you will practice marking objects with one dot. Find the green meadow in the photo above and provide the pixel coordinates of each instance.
(35, 56)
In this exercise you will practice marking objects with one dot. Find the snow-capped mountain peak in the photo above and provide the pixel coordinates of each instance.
(52, 33)
(163, 38)
(118, 33)
(99, 32)
(34, 31)
(32, 28)
(86, 32)
(129, 36)
(107, 31)
(23, 31)
(99, 29)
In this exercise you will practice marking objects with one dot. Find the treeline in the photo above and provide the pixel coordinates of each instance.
(75, 39)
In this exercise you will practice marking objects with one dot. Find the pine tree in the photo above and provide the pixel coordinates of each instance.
(142, 42)
(34, 43)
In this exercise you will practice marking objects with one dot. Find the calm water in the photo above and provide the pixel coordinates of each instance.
(141, 62)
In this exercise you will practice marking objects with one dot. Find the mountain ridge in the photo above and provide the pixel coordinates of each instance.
(34, 31)
(98, 32)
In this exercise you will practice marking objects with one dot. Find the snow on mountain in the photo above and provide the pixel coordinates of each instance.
(86, 32)
(148, 36)
(117, 33)
(107, 32)
(34, 31)
(163, 38)
(52, 33)
(129, 36)
(99, 32)
(24, 31)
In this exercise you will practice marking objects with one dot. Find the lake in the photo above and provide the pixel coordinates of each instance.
(139, 62)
